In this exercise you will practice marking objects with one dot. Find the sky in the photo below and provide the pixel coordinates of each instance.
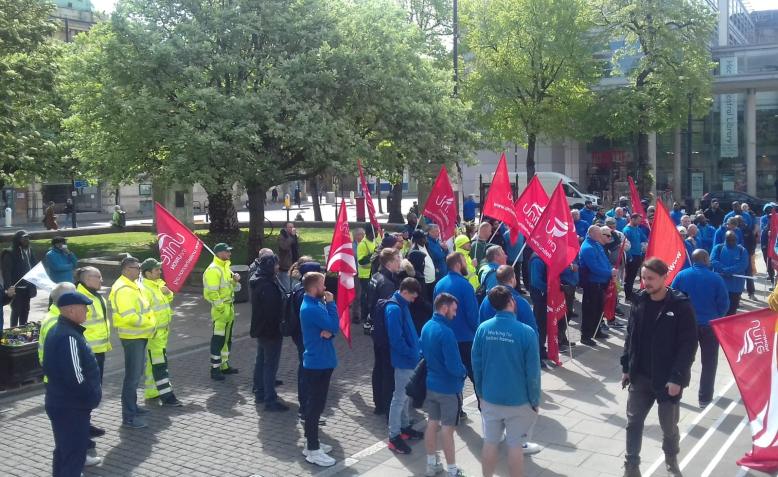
(107, 5)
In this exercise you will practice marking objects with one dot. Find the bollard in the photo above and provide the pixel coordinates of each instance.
(8, 217)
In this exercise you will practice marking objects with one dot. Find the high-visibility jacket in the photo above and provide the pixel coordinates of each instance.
(218, 285)
(365, 250)
(132, 315)
(98, 329)
(48, 322)
(472, 276)
(160, 302)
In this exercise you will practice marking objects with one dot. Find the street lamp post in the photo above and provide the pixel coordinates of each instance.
(689, 150)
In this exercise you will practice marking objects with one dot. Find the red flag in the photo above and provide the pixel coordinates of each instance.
(749, 341)
(369, 201)
(440, 205)
(666, 243)
(556, 243)
(179, 248)
(499, 200)
(530, 205)
(342, 261)
(773, 235)
(637, 206)
(611, 293)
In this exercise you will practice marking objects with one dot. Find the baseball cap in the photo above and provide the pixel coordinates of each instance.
(221, 247)
(74, 298)
(150, 264)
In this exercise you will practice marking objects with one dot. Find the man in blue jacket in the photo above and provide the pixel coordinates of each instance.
(507, 277)
(581, 226)
(466, 321)
(437, 250)
(588, 212)
(708, 294)
(596, 273)
(506, 366)
(638, 242)
(705, 233)
(730, 259)
(487, 272)
(60, 262)
(445, 379)
(731, 224)
(764, 239)
(676, 214)
(404, 350)
(538, 293)
(73, 387)
(319, 324)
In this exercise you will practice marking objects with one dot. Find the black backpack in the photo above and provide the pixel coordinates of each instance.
(290, 311)
(378, 315)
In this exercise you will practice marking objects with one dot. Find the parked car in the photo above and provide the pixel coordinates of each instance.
(726, 197)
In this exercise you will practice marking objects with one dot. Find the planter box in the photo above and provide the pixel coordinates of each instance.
(19, 364)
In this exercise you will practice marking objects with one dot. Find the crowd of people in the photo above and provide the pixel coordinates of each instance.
(439, 312)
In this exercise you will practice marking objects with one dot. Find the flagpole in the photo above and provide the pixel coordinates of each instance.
(519, 254)
(497, 229)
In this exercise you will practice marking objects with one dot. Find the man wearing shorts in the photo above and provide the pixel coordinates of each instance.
(506, 367)
(445, 378)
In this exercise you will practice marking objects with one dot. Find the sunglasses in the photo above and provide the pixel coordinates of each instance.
(607, 235)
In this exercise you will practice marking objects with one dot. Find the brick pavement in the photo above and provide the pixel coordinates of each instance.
(221, 432)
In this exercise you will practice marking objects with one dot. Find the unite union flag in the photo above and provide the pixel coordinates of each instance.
(342, 261)
(179, 248)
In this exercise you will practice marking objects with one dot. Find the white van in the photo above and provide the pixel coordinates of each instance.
(549, 181)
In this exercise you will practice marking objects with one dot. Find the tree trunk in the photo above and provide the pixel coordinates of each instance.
(645, 181)
(378, 195)
(395, 208)
(531, 141)
(256, 194)
(315, 199)
(221, 208)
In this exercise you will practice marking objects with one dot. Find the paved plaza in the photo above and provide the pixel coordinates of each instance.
(220, 431)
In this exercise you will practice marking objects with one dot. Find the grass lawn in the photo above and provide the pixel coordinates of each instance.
(144, 244)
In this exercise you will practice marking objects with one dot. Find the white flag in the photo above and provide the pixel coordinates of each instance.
(38, 277)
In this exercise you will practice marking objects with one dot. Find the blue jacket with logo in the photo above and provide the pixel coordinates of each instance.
(403, 340)
(506, 362)
(466, 321)
(706, 290)
(316, 317)
(71, 368)
(730, 261)
(523, 310)
(595, 266)
(445, 371)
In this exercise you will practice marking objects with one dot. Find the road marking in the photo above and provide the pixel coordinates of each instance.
(709, 433)
(720, 453)
(694, 423)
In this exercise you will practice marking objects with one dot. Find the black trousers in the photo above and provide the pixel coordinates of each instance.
(631, 272)
(709, 357)
(593, 301)
(750, 273)
(301, 395)
(100, 357)
(640, 401)
(540, 311)
(768, 263)
(364, 284)
(525, 256)
(383, 379)
(71, 439)
(734, 302)
(20, 307)
(317, 384)
(465, 351)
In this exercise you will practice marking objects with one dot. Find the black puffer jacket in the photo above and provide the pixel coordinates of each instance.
(266, 300)
(674, 342)
(382, 285)
(17, 261)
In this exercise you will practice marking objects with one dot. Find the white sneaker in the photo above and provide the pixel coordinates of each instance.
(322, 447)
(530, 448)
(92, 461)
(320, 458)
(434, 469)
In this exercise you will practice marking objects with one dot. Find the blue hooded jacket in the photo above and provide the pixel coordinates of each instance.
(706, 290)
(730, 261)
(445, 371)
(403, 340)
(466, 321)
(523, 310)
(595, 266)
(316, 317)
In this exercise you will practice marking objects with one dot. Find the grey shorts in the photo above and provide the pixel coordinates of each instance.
(443, 407)
(515, 421)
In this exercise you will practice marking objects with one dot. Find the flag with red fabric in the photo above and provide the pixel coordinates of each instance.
(342, 261)
(179, 248)
(750, 342)
(612, 292)
(499, 200)
(666, 243)
(556, 243)
(440, 206)
(530, 206)
(369, 202)
(637, 206)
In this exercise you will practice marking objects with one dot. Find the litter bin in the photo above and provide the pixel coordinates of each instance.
(360, 209)
(19, 356)
(242, 295)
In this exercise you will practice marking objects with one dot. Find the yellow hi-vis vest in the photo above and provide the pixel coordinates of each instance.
(365, 249)
(218, 286)
(98, 329)
(132, 315)
(160, 302)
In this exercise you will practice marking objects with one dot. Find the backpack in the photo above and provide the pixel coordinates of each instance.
(290, 311)
(480, 293)
(378, 315)
(416, 388)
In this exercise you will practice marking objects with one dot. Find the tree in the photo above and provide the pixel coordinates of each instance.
(533, 65)
(28, 118)
(666, 60)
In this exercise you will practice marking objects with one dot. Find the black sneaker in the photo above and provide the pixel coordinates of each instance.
(276, 406)
(602, 336)
(398, 445)
(96, 431)
(216, 374)
(278, 382)
(171, 401)
(588, 342)
(411, 434)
